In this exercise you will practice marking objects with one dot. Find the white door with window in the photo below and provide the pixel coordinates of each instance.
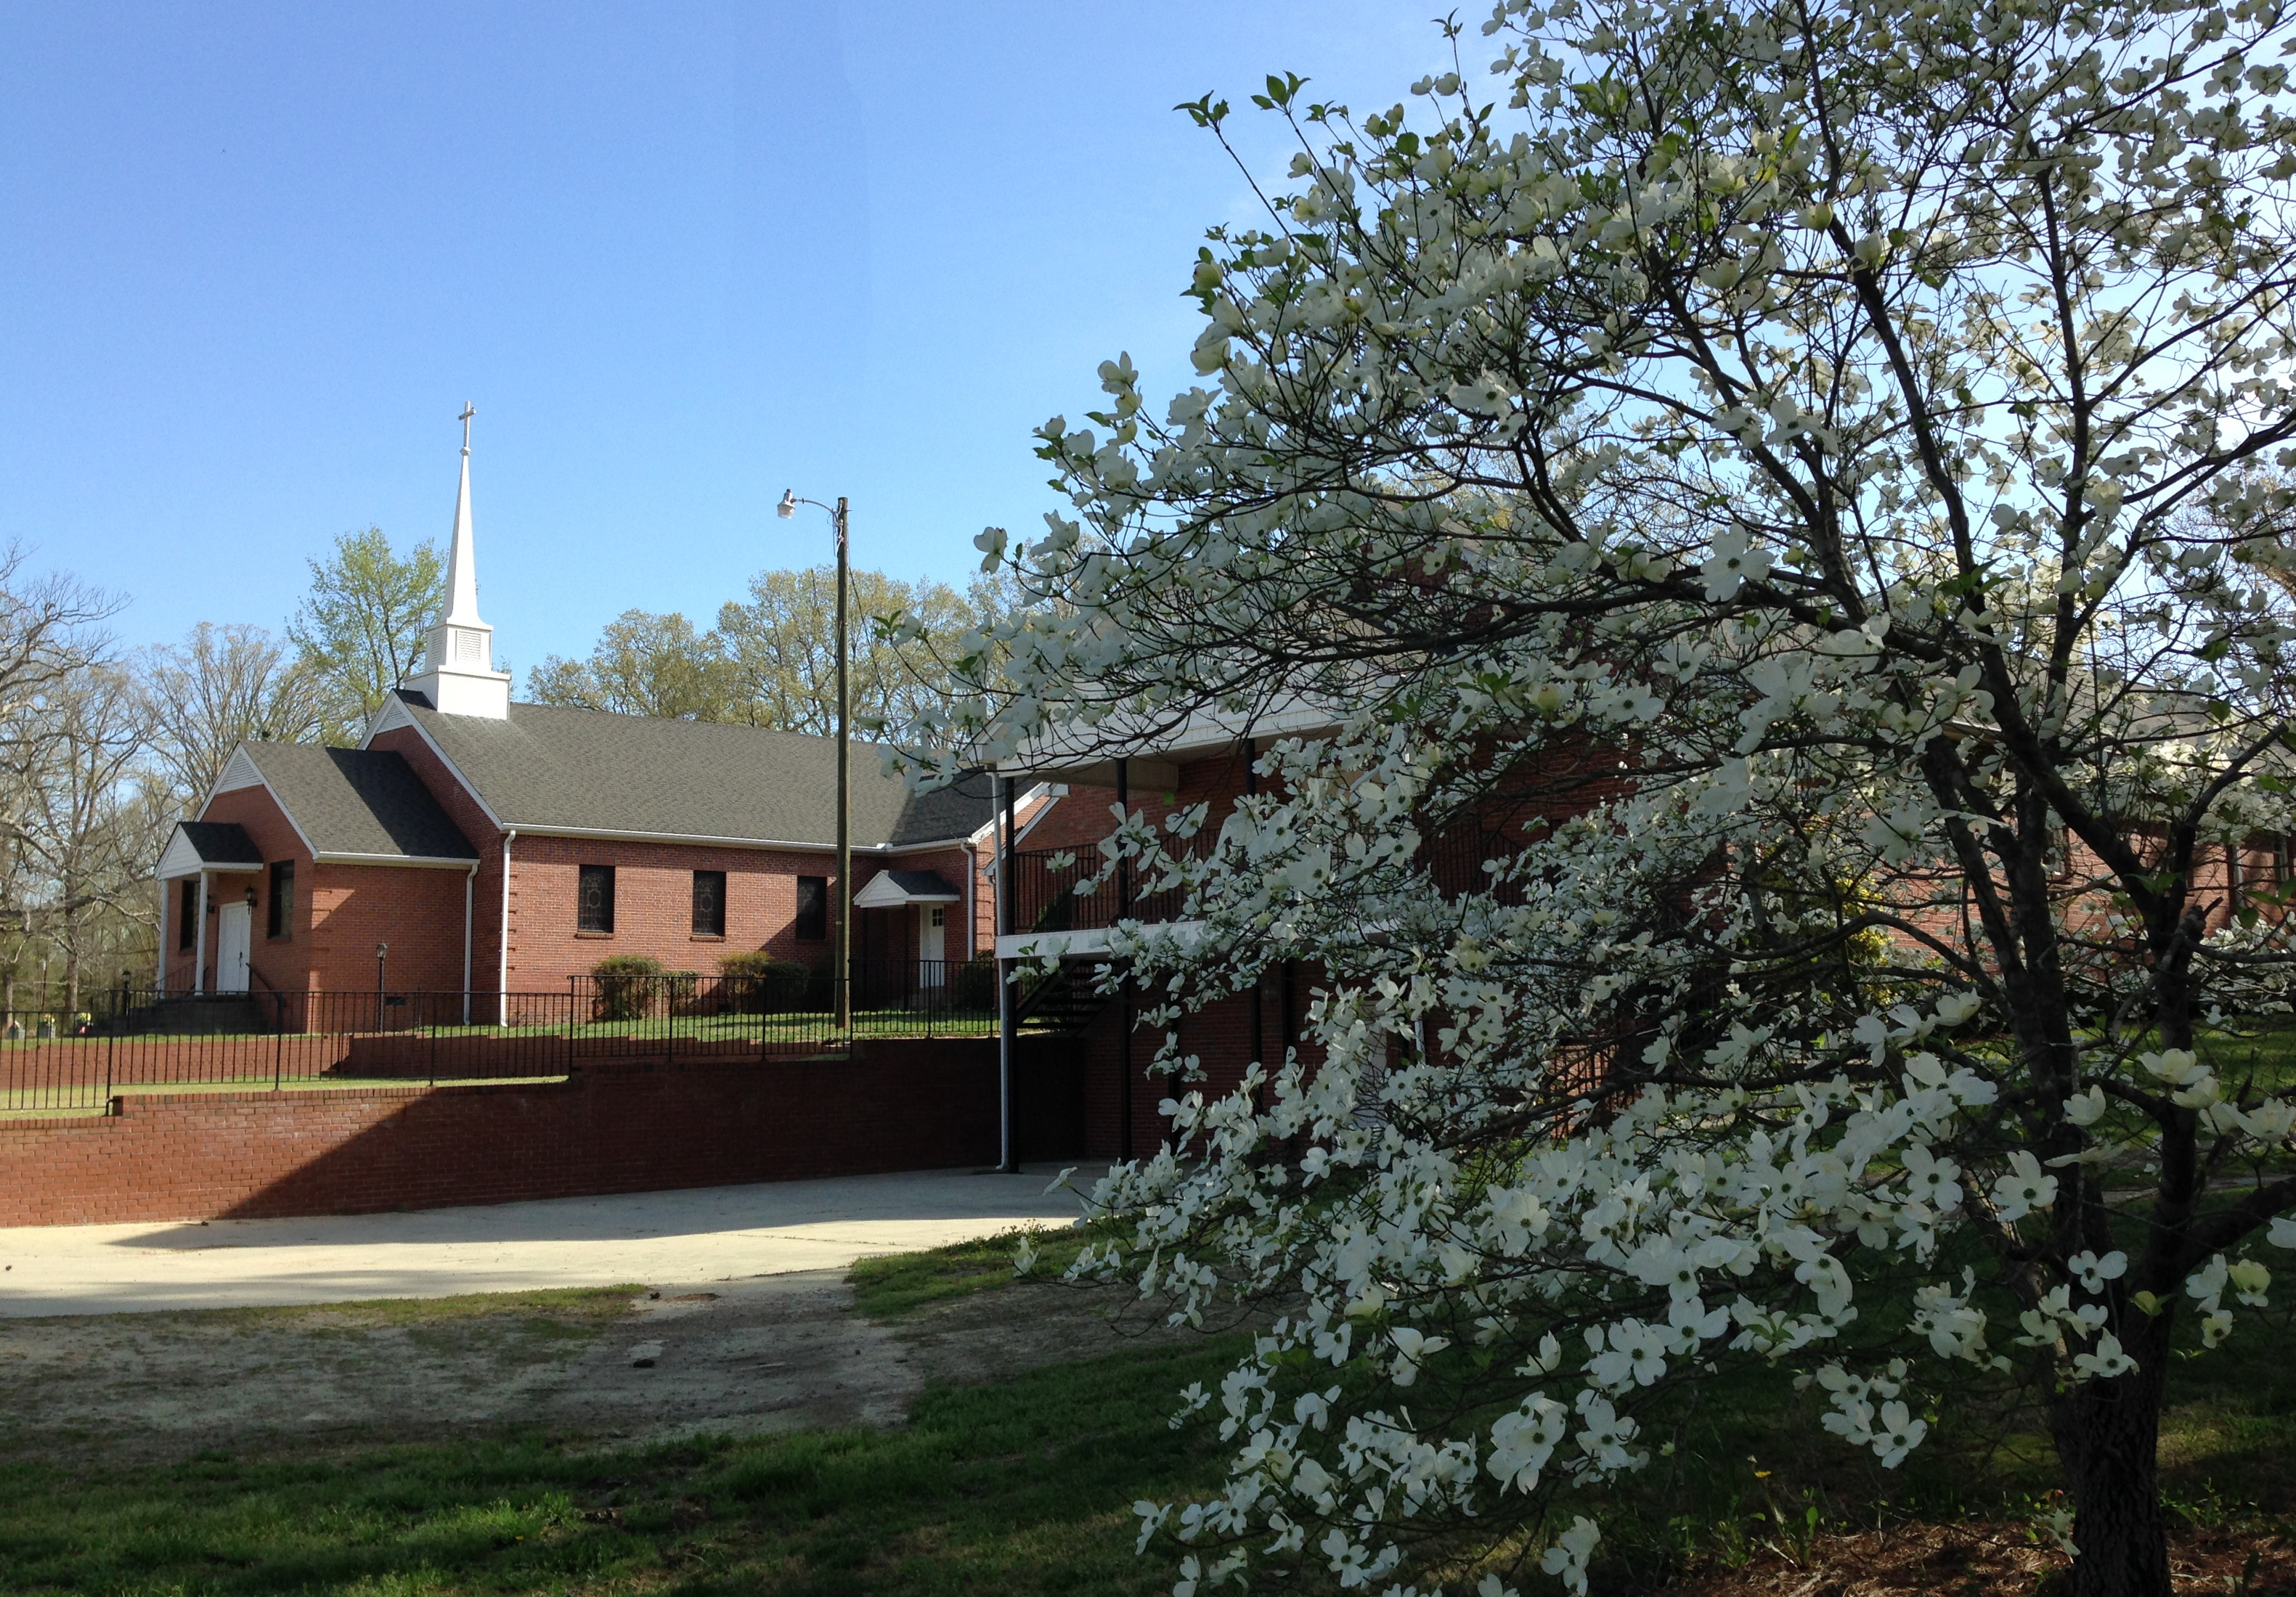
(932, 947)
(234, 938)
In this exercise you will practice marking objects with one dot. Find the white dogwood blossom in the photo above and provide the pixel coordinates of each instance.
(1761, 534)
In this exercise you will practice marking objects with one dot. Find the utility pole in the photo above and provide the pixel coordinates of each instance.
(842, 978)
(844, 798)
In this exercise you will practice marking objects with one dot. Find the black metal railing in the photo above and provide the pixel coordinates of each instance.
(267, 1041)
(58, 1058)
(690, 1012)
(1045, 896)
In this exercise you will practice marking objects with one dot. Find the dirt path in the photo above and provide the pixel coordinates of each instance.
(770, 1353)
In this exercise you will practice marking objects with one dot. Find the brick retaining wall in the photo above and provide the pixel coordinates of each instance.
(613, 1127)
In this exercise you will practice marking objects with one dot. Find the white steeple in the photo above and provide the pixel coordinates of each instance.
(458, 663)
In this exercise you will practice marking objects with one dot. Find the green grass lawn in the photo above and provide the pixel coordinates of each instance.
(1023, 1487)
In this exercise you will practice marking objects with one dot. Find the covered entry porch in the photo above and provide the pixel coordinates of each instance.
(211, 883)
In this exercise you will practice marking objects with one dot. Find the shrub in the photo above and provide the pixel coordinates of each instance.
(975, 984)
(626, 986)
(758, 983)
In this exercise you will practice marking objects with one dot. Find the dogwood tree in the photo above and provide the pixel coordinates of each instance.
(1798, 481)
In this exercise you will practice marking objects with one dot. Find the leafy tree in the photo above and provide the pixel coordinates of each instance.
(222, 687)
(781, 646)
(361, 626)
(1805, 458)
(772, 661)
(643, 664)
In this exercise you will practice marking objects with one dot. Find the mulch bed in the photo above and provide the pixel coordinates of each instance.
(2252, 1560)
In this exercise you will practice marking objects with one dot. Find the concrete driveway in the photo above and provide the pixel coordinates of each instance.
(658, 1239)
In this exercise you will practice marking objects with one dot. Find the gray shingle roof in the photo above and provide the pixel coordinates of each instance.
(590, 771)
(365, 801)
(220, 842)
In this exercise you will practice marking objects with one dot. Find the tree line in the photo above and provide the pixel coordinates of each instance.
(104, 747)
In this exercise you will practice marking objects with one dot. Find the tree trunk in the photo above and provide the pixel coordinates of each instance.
(2108, 1437)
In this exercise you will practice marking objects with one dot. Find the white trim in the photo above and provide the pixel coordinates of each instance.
(240, 771)
(703, 839)
(895, 896)
(181, 857)
(422, 861)
(469, 888)
(502, 977)
(1050, 792)
(1063, 945)
(1080, 750)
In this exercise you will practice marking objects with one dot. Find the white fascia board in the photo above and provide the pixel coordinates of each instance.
(609, 834)
(1047, 791)
(387, 722)
(240, 771)
(426, 861)
(1070, 944)
(1204, 732)
(884, 893)
(180, 859)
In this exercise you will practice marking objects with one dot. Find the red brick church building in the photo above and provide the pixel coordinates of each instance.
(496, 847)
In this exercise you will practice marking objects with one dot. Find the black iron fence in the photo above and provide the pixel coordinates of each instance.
(55, 1057)
(782, 1012)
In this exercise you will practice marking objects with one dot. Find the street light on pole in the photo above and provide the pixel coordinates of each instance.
(843, 977)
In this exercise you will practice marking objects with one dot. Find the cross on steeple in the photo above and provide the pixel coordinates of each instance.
(469, 410)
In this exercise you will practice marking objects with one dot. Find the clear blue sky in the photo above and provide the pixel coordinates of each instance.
(254, 258)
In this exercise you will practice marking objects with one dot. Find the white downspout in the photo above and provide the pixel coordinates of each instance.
(502, 976)
(971, 924)
(469, 889)
(200, 941)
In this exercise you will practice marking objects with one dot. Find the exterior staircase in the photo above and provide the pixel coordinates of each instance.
(1066, 1002)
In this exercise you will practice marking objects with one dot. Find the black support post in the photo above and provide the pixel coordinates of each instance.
(1258, 1035)
(1008, 1020)
(1124, 984)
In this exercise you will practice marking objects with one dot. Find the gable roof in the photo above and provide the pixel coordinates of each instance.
(552, 769)
(890, 889)
(355, 804)
(197, 846)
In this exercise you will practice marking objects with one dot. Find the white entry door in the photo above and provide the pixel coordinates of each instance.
(234, 934)
(932, 946)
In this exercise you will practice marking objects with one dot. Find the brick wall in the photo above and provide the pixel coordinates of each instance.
(616, 1127)
(1220, 1035)
(654, 896)
(486, 889)
(344, 911)
(341, 912)
(284, 963)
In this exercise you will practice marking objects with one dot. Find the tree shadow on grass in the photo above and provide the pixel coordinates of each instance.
(1024, 1487)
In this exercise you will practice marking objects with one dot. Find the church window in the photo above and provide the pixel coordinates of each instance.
(595, 909)
(279, 918)
(710, 904)
(187, 920)
(812, 908)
